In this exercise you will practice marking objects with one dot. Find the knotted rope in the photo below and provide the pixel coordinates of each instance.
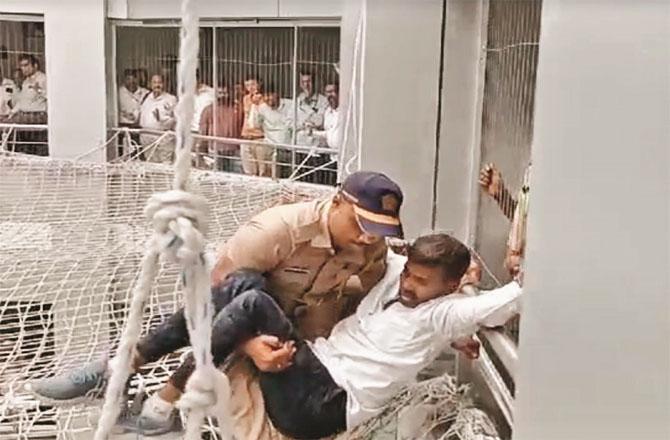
(180, 220)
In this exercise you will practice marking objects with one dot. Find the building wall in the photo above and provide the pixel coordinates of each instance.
(460, 126)
(75, 67)
(401, 56)
(149, 9)
(595, 348)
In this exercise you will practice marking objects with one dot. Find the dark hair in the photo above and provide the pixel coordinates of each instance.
(130, 72)
(441, 250)
(270, 89)
(305, 72)
(32, 59)
(333, 83)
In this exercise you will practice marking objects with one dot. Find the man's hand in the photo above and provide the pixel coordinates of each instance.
(469, 346)
(269, 354)
(513, 263)
(490, 180)
(473, 275)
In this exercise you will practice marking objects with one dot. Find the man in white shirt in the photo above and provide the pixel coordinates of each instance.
(204, 96)
(273, 115)
(329, 137)
(131, 96)
(399, 328)
(311, 107)
(8, 90)
(157, 113)
(30, 104)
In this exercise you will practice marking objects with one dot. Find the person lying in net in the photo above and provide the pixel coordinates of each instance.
(320, 258)
(399, 328)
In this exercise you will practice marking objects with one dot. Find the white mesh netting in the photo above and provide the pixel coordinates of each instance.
(72, 235)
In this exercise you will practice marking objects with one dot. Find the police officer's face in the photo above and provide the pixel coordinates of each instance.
(345, 230)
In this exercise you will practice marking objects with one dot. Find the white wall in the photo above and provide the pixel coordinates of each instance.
(595, 335)
(460, 129)
(75, 68)
(147, 9)
(400, 76)
(75, 64)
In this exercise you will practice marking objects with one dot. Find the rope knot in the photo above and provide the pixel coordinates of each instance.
(208, 393)
(179, 219)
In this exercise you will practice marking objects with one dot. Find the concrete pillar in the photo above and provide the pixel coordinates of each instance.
(460, 128)
(400, 74)
(75, 67)
(595, 335)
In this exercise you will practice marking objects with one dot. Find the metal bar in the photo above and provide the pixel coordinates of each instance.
(208, 22)
(295, 95)
(496, 387)
(301, 148)
(504, 347)
(33, 127)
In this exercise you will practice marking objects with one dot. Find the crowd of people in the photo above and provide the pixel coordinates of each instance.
(23, 100)
(255, 113)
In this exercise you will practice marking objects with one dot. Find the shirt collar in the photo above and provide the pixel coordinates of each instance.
(322, 239)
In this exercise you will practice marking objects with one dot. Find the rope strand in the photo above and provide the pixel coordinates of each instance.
(180, 225)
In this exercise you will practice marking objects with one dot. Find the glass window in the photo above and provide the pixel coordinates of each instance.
(23, 86)
(267, 99)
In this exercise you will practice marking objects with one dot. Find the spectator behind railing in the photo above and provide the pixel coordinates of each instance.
(310, 111)
(204, 97)
(8, 90)
(30, 103)
(273, 115)
(131, 96)
(224, 120)
(29, 106)
(157, 113)
(329, 136)
(252, 87)
(516, 210)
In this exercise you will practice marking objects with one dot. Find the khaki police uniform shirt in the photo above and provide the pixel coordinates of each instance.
(316, 286)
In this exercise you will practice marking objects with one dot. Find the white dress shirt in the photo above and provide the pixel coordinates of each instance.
(276, 123)
(165, 103)
(375, 353)
(331, 135)
(309, 114)
(33, 94)
(130, 103)
(8, 91)
(203, 98)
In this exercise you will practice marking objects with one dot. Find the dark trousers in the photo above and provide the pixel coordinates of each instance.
(302, 401)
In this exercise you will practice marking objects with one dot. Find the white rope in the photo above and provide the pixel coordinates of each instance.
(180, 224)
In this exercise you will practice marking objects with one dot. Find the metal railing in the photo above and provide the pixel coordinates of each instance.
(494, 373)
(24, 138)
(281, 161)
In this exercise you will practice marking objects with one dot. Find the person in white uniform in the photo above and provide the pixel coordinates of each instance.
(311, 107)
(131, 96)
(8, 90)
(273, 115)
(157, 113)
